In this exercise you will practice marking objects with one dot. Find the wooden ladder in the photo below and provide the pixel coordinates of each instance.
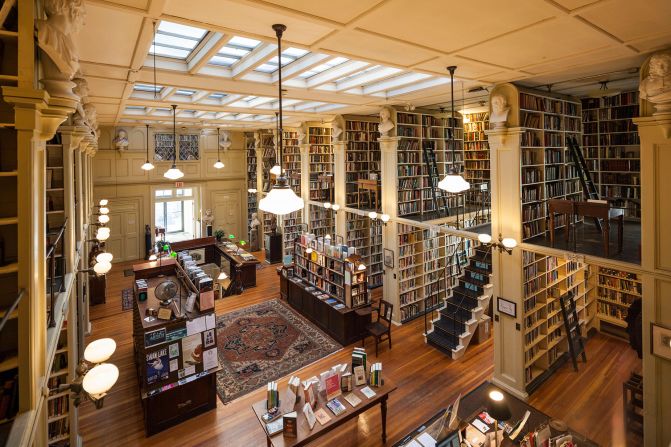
(576, 345)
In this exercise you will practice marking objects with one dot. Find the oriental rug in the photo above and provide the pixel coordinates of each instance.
(262, 343)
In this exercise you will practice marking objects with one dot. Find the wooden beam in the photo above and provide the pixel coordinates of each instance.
(254, 59)
(210, 48)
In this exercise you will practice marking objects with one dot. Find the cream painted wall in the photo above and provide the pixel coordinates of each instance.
(117, 176)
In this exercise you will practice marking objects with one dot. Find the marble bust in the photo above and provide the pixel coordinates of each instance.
(254, 222)
(81, 89)
(386, 124)
(208, 218)
(336, 131)
(500, 110)
(224, 140)
(656, 87)
(121, 140)
(300, 135)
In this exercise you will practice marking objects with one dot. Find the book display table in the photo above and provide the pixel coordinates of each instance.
(305, 435)
(473, 404)
(243, 264)
(176, 359)
(344, 325)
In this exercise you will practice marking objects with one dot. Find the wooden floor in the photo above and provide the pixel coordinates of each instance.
(589, 401)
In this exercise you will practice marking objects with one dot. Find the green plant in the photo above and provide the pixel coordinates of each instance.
(219, 234)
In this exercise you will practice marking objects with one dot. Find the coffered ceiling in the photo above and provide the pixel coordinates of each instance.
(217, 59)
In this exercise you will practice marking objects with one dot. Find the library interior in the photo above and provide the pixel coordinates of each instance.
(354, 222)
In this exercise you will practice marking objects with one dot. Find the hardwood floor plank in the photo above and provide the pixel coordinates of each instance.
(590, 401)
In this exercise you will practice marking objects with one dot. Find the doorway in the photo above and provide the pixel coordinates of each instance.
(174, 211)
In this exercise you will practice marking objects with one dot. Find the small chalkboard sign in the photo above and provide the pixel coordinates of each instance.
(154, 338)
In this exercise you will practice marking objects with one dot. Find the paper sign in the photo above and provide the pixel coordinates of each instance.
(195, 326)
(174, 365)
(210, 322)
(209, 359)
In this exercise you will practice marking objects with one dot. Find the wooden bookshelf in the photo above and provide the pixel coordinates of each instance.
(328, 268)
(268, 160)
(612, 150)
(366, 238)
(417, 130)
(321, 221)
(252, 205)
(476, 152)
(362, 160)
(422, 256)
(615, 291)
(547, 171)
(291, 163)
(58, 403)
(54, 185)
(545, 279)
(321, 163)
(290, 230)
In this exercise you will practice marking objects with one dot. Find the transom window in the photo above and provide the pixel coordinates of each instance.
(176, 40)
(164, 148)
(289, 55)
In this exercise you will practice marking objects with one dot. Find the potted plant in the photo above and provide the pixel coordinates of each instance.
(219, 234)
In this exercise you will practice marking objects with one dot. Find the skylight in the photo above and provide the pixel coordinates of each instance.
(184, 92)
(323, 67)
(217, 95)
(135, 109)
(147, 88)
(289, 55)
(234, 50)
(176, 40)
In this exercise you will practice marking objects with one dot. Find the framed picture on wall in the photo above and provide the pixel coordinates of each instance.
(198, 255)
(660, 341)
(506, 307)
(388, 258)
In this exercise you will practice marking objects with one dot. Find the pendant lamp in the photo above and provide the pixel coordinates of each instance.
(281, 199)
(174, 173)
(453, 181)
(218, 164)
(147, 166)
(276, 170)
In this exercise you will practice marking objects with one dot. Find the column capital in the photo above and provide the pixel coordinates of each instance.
(662, 122)
(388, 144)
(35, 110)
(75, 133)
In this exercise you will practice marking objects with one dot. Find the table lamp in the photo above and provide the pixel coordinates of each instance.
(498, 410)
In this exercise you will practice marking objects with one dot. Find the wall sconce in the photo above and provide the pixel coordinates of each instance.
(103, 202)
(252, 190)
(334, 206)
(103, 234)
(381, 219)
(504, 243)
(94, 377)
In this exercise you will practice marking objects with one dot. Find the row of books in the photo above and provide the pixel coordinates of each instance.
(617, 139)
(616, 113)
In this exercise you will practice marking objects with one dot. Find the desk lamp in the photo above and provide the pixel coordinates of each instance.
(498, 409)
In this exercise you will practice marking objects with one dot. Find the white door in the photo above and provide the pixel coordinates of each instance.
(227, 211)
(124, 241)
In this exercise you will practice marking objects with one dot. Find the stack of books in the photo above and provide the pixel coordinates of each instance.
(375, 378)
(273, 397)
(359, 358)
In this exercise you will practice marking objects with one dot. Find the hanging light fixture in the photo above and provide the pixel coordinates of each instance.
(218, 164)
(277, 169)
(281, 199)
(453, 181)
(174, 173)
(147, 166)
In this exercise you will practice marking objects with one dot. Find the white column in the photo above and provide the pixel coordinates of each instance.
(389, 187)
(508, 269)
(339, 186)
(305, 180)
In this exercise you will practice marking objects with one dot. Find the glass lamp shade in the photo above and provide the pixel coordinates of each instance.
(153, 257)
(103, 218)
(327, 205)
(454, 183)
(104, 257)
(335, 207)
(102, 268)
(509, 242)
(147, 166)
(102, 236)
(218, 164)
(276, 170)
(497, 406)
(281, 199)
(484, 238)
(372, 215)
(99, 350)
(385, 218)
(104, 210)
(222, 276)
(362, 266)
(173, 173)
(100, 379)
(252, 190)
(103, 202)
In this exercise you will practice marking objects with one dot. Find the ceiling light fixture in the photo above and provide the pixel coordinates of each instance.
(147, 166)
(174, 173)
(453, 181)
(281, 199)
(218, 164)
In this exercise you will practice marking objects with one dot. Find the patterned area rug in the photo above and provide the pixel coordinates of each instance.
(264, 342)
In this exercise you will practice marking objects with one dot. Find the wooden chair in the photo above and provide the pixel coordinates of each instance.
(381, 326)
(560, 206)
(601, 210)
(371, 188)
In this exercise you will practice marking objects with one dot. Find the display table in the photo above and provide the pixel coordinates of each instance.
(243, 264)
(305, 435)
(345, 325)
(475, 402)
(176, 367)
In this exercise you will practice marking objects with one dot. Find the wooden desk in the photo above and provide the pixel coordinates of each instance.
(305, 435)
(564, 207)
(171, 396)
(604, 212)
(476, 401)
(373, 189)
(245, 269)
(345, 325)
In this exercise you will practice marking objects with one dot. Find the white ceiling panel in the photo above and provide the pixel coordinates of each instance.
(465, 68)
(345, 10)
(631, 19)
(109, 35)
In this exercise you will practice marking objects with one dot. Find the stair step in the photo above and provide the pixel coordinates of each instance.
(461, 290)
(456, 313)
(449, 326)
(472, 286)
(463, 302)
(472, 268)
(441, 342)
(477, 278)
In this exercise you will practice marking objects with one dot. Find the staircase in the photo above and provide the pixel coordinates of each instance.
(457, 320)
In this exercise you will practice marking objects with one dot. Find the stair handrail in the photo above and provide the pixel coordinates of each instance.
(12, 308)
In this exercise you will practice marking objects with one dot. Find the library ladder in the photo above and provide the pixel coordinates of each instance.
(432, 169)
(588, 187)
(574, 338)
